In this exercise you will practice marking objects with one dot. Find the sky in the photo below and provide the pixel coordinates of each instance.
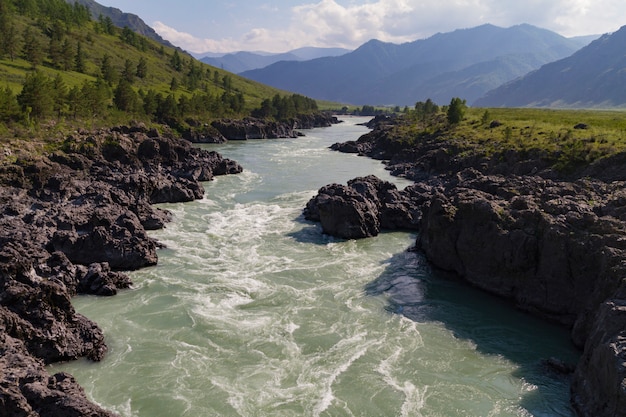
(222, 26)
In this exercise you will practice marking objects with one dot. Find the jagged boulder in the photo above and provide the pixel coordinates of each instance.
(26, 388)
(361, 208)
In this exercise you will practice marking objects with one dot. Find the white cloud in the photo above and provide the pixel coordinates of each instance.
(328, 23)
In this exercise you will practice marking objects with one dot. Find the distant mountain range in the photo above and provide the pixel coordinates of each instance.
(121, 19)
(239, 62)
(595, 76)
(465, 63)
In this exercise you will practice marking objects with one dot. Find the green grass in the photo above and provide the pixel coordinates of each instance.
(549, 133)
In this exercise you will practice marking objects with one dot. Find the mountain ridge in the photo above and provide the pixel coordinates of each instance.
(241, 61)
(591, 77)
(384, 73)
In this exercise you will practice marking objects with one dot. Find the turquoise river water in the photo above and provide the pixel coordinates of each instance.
(252, 311)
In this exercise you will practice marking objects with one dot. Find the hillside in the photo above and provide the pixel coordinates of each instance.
(239, 62)
(592, 77)
(464, 63)
(58, 65)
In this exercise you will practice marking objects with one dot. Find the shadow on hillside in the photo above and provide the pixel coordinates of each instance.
(493, 325)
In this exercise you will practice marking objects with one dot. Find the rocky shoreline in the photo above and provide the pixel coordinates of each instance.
(222, 130)
(554, 246)
(71, 222)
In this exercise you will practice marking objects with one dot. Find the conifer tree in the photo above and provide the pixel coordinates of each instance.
(32, 50)
(142, 68)
(108, 71)
(36, 97)
(456, 110)
(67, 55)
(176, 61)
(128, 73)
(79, 59)
(124, 97)
(60, 91)
(9, 107)
(9, 41)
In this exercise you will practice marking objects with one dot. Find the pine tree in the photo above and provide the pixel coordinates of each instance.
(9, 42)
(8, 32)
(79, 59)
(37, 98)
(456, 110)
(9, 107)
(128, 73)
(142, 68)
(59, 95)
(96, 97)
(32, 50)
(176, 62)
(150, 102)
(174, 84)
(67, 55)
(124, 97)
(108, 71)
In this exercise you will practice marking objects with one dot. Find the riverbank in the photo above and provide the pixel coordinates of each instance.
(550, 241)
(72, 221)
(74, 218)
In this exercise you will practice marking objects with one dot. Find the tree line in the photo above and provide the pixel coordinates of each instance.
(43, 98)
(285, 107)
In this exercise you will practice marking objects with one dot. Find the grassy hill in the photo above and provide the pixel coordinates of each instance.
(84, 72)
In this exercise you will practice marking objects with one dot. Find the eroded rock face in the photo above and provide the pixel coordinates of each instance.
(28, 390)
(599, 383)
(70, 223)
(557, 248)
(361, 208)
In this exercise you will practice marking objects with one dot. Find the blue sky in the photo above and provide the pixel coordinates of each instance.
(280, 25)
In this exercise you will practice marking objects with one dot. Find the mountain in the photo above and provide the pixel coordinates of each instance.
(239, 62)
(121, 19)
(595, 76)
(465, 63)
(243, 61)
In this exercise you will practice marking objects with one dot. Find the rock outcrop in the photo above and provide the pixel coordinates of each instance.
(509, 225)
(362, 208)
(252, 128)
(70, 223)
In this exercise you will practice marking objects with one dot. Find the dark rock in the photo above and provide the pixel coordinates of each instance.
(361, 208)
(553, 244)
(26, 388)
(252, 128)
(557, 366)
(70, 222)
(599, 385)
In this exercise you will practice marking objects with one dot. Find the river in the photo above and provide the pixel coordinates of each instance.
(252, 311)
